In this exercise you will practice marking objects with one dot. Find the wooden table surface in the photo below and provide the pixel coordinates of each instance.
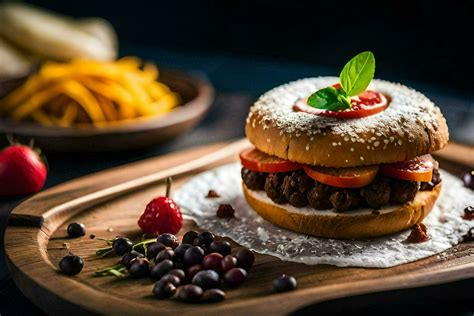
(225, 121)
(109, 202)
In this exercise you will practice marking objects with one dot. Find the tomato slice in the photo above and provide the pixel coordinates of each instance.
(258, 161)
(419, 169)
(365, 104)
(352, 177)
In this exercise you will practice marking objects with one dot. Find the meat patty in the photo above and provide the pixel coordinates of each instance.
(274, 187)
(296, 186)
(402, 191)
(300, 190)
(345, 199)
(253, 180)
(318, 196)
(377, 193)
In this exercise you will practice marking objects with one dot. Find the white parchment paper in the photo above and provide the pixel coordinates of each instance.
(445, 225)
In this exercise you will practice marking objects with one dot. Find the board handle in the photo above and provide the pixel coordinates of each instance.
(457, 153)
(25, 220)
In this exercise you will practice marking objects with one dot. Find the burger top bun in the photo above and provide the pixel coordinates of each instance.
(410, 126)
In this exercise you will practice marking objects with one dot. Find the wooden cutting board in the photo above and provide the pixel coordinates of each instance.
(109, 203)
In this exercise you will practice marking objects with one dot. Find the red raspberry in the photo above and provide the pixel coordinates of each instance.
(161, 215)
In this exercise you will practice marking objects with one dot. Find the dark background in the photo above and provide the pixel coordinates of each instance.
(416, 40)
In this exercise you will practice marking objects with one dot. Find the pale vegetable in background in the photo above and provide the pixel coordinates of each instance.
(43, 35)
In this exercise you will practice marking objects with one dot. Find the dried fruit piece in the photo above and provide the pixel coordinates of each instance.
(419, 233)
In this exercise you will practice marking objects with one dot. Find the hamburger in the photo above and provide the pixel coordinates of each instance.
(345, 157)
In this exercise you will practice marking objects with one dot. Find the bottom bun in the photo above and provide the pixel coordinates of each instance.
(356, 224)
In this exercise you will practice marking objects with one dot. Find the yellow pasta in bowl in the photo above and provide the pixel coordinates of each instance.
(84, 93)
(98, 106)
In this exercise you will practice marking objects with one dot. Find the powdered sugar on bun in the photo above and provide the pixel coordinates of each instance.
(410, 126)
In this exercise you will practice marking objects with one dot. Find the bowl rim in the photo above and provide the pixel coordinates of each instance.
(194, 107)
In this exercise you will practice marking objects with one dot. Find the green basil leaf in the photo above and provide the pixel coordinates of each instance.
(357, 73)
(345, 100)
(329, 99)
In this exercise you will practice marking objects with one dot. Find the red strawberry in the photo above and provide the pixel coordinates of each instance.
(21, 171)
(161, 215)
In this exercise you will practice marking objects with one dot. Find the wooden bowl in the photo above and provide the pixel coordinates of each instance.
(195, 90)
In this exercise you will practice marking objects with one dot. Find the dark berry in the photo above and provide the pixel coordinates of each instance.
(179, 273)
(235, 277)
(205, 248)
(228, 263)
(140, 267)
(192, 270)
(189, 293)
(122, 245)
(169, 240)
(284, 283)
(193, 255)
(189, 237)
(213, 296)
(245, 258)
(213, 261)
(178, 263)
(222, 247)
(163, 290)
(468, 179)
(76, 230)
(140, 248)
(129, 256)
(153, 249)
(206, 279)
(164, 254)
(71, 265)
(204, 238)
(469, 213)
(181, 249)
(171, 278)
(161, 268)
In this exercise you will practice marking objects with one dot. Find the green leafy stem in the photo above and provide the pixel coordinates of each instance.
(354, 78)
(118, 269)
